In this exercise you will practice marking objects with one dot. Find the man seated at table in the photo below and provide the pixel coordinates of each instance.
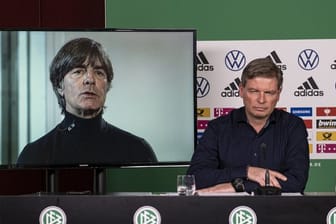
(237, 150)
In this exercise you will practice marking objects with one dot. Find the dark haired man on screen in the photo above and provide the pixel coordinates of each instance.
(81, 74)
(238, 151)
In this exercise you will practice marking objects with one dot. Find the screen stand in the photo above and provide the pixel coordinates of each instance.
(51, 181)
(99, 181)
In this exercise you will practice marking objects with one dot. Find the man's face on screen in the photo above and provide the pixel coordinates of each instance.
(84, 89)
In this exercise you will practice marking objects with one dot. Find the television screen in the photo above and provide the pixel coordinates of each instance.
(152, 93)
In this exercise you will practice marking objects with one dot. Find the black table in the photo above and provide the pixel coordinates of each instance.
(120, 209)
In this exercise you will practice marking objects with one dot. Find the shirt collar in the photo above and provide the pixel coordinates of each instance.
(71, 121)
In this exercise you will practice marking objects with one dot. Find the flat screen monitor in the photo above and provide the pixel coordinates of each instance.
(152, 93)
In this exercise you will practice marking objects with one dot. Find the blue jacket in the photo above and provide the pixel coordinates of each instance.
(229, 145)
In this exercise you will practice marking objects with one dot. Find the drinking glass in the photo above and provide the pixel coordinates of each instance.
(186, 185)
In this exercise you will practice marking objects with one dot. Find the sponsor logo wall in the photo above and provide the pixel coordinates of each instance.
(309, 88)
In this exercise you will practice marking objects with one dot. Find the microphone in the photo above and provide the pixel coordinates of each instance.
(267, 189)
(267, 178)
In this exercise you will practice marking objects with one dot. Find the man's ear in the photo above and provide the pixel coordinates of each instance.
(241, 90)
(60, 89)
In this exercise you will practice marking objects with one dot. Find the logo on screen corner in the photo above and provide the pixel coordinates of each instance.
(203, 63)
(52, 215)
(242, 215)
(147, 215)
(235, 60)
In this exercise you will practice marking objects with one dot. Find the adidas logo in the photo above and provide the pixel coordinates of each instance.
(308, 88)
(203, 63)
(232, 90)
(275, 58)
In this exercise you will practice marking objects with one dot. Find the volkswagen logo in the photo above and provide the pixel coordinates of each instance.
(235, 60)
(202, 87)
(308, 59)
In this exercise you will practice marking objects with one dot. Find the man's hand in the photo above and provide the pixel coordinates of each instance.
(257, 174)
(219, 188)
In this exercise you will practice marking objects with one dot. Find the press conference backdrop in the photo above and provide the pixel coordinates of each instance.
(251, 20)
(308, 89)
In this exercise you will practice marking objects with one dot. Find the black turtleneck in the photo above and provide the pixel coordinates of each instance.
(86, 141)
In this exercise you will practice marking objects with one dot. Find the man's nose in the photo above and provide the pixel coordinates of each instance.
(261, 97)
(89, 77)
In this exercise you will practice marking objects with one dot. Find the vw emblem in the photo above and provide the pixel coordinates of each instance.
(202, 87)
(235, 60)
(308, 59)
